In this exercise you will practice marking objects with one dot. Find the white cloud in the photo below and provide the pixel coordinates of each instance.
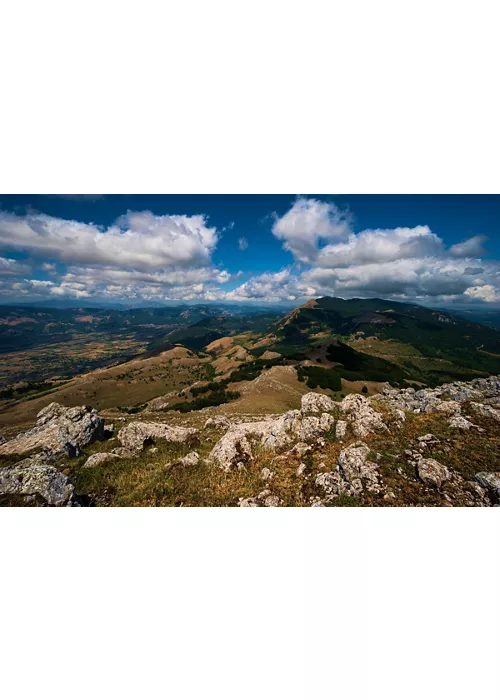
(138, 240)
(308, 222)
(242, 243)
(381, 245)
(486, 292)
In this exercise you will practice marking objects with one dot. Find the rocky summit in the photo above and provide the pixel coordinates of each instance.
(401, 447)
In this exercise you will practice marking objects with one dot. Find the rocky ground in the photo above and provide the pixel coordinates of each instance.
(432, 447)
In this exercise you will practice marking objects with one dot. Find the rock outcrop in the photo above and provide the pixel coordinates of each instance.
(316, 403)
(352, 475)
(136, 435)
(59, 429)
(362, 416)
(33, 483)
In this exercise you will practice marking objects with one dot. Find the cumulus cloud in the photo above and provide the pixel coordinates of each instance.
(307, 223)
(138, 240)
(486, 292)
(242, 243)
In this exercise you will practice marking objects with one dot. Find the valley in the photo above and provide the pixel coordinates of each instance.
(224, 368)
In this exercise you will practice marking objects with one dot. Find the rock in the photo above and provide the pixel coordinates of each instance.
(109, 428)
(37, 484)
(341, 430)
(122, 452)
(59, 429)
(486, 411)
(2, 440)
(318, 504)
(462, 423)
(100, 458)
(449, 408)
(491, 482)
(218, 423)
(301, 448)
(362, 416)
(432, 473)
(272, 501)
(301, 469)
(326, 421)
(248, 503)
(316, 403)
(190, 460)
(135, 436)
(427, 440)
(356, 471)
(330, 483)
(389, 496)
(266, 474)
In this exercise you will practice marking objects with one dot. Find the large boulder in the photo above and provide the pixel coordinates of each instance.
(432, 472)
(59, 429)
(135, 436)
(32, 483)
(316, 403)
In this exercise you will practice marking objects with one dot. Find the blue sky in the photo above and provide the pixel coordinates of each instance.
(133, 249)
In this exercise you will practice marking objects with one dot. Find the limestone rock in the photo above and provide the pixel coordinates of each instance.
(316, 403)
(462, 423)
(491, 482)
(37, 484)
(100, 458)
(190, 460)
(486, 411)
(341, 430)
(432, 472)
(356, 471)
(218, 423)
(363, 417)
(330, 483)
(136, 435)
(59, 429)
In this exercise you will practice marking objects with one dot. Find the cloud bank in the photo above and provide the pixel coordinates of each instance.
(143, 256)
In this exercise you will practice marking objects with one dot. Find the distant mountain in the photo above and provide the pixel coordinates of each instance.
(428, 333)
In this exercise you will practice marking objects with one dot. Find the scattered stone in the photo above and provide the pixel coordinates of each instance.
(301, 469)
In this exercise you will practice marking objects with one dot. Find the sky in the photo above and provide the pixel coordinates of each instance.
(438, 250)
